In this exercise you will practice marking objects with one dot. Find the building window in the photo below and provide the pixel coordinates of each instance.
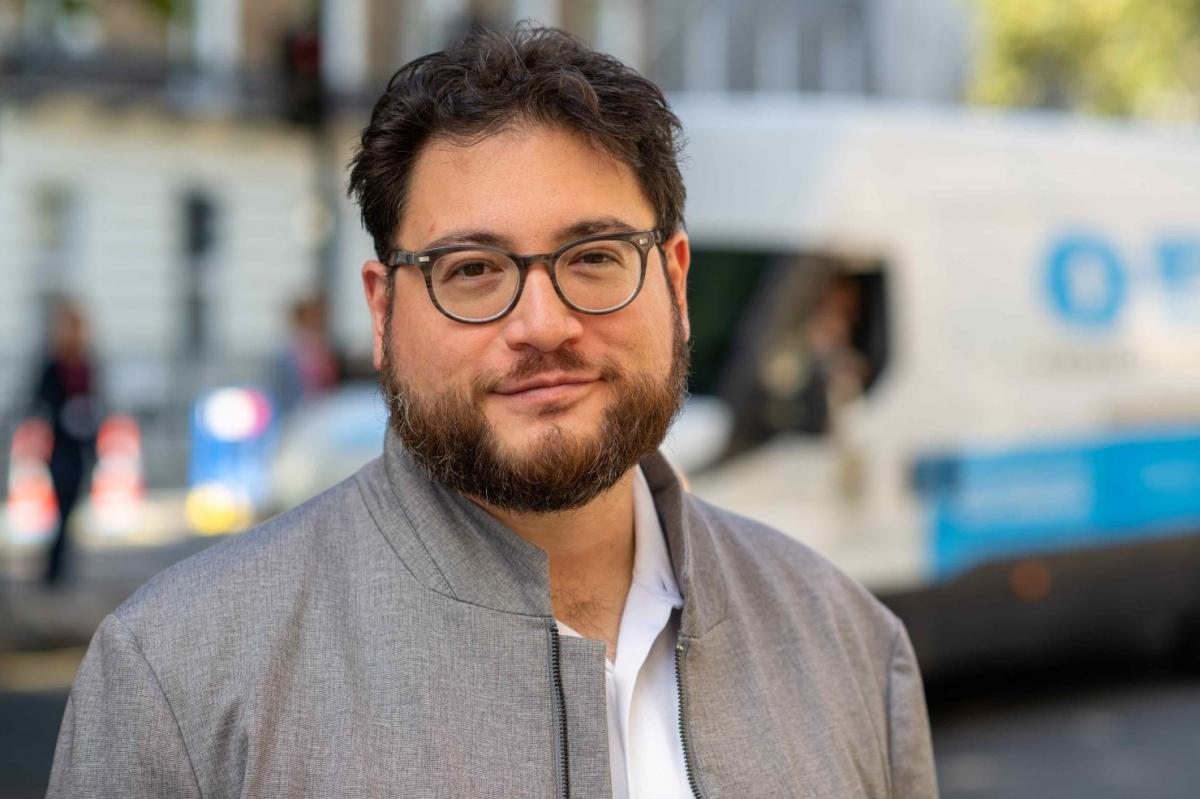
(56, 235)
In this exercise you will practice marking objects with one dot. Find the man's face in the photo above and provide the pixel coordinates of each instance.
(546, 407)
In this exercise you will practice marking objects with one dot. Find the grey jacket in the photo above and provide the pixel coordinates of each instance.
(389, 639)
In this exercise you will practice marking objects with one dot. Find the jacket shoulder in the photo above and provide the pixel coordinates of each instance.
(765, 568)
(258, 568)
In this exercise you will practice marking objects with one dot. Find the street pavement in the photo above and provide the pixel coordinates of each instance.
(28, 728)
(1078, 731)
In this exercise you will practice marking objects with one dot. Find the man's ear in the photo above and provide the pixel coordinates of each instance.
(375, 279)
(679, 259)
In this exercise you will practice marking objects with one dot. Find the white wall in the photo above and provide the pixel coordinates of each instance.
(129, 175)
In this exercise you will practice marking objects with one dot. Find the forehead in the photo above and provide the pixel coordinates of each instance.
(523, 183)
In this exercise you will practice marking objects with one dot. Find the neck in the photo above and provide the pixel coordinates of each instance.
(591, 553)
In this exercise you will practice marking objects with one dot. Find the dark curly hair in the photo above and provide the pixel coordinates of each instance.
(490, 80)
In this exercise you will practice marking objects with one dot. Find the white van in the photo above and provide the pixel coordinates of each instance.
(961, 349)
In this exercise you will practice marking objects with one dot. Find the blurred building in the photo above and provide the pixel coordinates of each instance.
(178, 167)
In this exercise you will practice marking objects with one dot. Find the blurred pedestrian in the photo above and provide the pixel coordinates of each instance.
(837, 369)
(66, 397)
(309, 365)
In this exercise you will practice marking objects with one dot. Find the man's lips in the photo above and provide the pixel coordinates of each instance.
(545, 387)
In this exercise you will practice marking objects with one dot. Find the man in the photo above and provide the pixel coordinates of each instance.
(518, 599)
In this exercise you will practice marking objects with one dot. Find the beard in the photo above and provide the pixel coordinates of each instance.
(450, 437)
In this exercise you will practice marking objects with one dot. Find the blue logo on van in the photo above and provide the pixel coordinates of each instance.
(1086, 281)
(1179, 270)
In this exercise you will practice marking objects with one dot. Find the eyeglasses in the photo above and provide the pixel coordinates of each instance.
(475, 284)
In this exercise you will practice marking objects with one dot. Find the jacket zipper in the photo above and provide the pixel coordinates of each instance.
(560, 713)
(688, 766)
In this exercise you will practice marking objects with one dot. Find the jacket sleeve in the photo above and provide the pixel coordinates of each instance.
(119, 737)
(910, 747)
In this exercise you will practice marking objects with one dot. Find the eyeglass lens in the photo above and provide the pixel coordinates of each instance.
(593, 276)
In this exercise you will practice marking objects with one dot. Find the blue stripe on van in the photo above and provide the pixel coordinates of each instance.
(998, 504)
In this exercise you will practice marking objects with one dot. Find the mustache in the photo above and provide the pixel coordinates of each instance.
(534, 363)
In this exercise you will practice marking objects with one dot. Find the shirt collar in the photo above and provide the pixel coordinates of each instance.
(652, 568)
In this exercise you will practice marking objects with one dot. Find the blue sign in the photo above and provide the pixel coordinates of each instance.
(233, 437)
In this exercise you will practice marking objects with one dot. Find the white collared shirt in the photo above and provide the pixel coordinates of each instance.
(645, 751)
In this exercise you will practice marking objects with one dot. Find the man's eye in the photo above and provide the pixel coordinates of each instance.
(595, 258)
(470, 269)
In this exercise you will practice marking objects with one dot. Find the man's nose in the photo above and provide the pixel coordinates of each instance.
(541, 319)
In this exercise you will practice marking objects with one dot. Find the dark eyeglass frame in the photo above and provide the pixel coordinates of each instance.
(643, 240)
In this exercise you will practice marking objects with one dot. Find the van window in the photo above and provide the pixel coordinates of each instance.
(786, 339)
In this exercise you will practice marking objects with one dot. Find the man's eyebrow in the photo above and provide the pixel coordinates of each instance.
(588, 227)
(576, 230)
(485, 237)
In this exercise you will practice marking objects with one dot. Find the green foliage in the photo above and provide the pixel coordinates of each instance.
(169, 8)
(163, 8)
(1114, 57)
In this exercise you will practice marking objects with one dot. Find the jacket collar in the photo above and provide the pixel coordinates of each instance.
(456, 548)
(693, 550)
